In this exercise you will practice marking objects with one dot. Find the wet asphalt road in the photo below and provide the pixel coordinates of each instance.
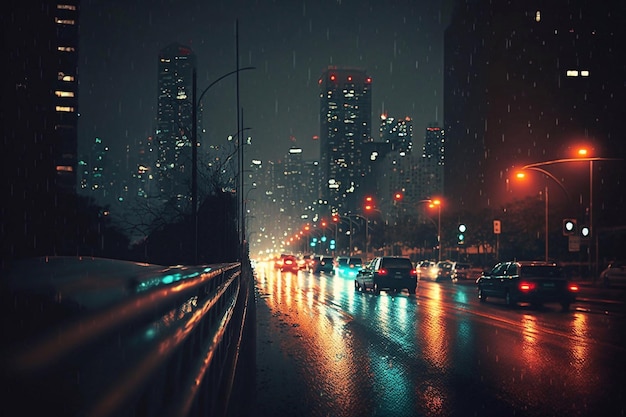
(324, 349)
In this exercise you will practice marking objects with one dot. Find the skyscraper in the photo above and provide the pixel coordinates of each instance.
(345, 126)
(174, 122)
(433, 163)
(397, 132)
(39, 122)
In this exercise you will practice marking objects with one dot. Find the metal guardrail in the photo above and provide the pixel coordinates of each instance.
(99, 337)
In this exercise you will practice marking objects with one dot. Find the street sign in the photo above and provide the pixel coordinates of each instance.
(573, 243)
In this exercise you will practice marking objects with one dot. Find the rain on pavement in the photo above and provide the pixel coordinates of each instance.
(325, 349)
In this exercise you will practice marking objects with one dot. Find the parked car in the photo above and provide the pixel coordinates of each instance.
(347, 265)
(387, 273)
(322, 263)
(289, 263)
(614, 273)
(534, 282)
(460, 271)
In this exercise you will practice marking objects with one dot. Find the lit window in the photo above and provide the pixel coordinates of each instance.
(584, 73)
(64, 93)
(64, 168)
(537, 16)
(64, 21)
(65, 109)
(572, 73)
(65, 77)
(66, 7)
(66, 49)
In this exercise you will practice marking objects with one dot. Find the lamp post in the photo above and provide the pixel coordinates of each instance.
(437, 203)
(520, 176)
(194, 148)
(583, 157)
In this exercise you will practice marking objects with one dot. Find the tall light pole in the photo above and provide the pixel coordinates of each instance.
(194, 148)
(437, 203)
(582, 152)
(520, 176)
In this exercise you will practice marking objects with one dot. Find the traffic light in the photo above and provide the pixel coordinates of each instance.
(585, 231)
(398, 196)
(369, 203)
(332, 244)
(461, 234)
(569, 227)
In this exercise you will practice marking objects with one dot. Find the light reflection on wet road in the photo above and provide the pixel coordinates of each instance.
(328, 350)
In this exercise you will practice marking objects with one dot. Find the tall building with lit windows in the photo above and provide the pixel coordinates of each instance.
(431, 173)
(397, 132)
(173, 167)
(345, 127)
(40, 90)
(39, 117)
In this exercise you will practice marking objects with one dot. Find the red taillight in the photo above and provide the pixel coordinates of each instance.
(382, 271)
(526, 286)
(413, 272)
(573, 287)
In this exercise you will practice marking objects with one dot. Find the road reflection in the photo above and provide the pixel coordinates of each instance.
(438, 353)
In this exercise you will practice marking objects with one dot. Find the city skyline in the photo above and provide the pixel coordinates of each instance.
(289, 46)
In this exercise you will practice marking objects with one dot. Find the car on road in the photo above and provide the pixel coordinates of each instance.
(387, 273)
(322, 263)
(615, 273)
(347, 266)
(289, 263)
(426, 269)
(443, 271)
(460, 271)
(535, 282)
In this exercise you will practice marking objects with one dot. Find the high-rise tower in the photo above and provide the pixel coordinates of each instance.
(39, 112)
(174, 122)
(345, 126)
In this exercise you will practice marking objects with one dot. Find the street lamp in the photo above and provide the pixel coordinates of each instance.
(520, 176)
(194, 148)
(432, 204)
(582, 153)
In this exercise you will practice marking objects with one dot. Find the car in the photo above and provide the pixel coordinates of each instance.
(460, 271)
(614, 273)
(322, 263)
(290, 263)
(387, 273)
(426, 269)
(443, 271)
(347, 265)
(278, 262)
(535, 282)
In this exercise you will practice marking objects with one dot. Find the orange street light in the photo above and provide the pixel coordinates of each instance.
(432, 204)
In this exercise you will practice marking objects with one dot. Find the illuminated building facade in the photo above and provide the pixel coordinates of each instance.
(174, 122)
(345, 126)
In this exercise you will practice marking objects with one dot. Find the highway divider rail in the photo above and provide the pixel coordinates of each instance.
(100, 337)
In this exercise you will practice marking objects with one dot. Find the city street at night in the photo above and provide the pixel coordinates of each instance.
(325, 349)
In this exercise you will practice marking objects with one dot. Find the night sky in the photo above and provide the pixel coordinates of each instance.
(290, 42)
